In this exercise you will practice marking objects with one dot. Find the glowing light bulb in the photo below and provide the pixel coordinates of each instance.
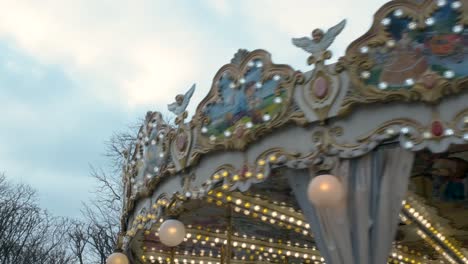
(325, 191)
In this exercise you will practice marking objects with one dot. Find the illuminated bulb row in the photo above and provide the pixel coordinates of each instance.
(412, 254)
(254, 245)
(265, 210)
(143, 218)
(404, 259)
(397, 261)
(429, 240)
(203, 259)
(265, 214)
(227, 133)
(140, 220)
(159, 259)
(395, 258)
(194, 258)
(429, 228)
(218, 240)
(197, 260)
(249, 174)
(435, 246)
(160, 203)
(236, 177)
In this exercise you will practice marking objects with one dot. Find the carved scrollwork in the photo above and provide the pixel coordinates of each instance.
(411, 134)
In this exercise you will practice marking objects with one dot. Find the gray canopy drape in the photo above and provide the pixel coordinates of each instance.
(362, 229)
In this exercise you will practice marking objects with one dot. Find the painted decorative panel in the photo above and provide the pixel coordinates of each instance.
(412, 52)
(415, 55)
(246, 104)
(248, 97)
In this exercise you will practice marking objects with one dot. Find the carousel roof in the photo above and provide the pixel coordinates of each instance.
(222, 172)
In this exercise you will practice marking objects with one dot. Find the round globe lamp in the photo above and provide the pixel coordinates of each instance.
(117, 258)
(325, 191)
(172, 232)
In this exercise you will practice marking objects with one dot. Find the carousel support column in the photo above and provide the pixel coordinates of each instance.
(227, 250)
(172, 254)
(222, 254)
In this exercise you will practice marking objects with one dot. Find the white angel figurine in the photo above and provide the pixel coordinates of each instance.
(182, 101)
(318, 45)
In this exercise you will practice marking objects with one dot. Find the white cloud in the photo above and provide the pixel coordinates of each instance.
(18, 111)
(161, 68)
(59, 192)
(18, 67)
(137, 49)
(271, 25)
(137, 52)
(221, 7)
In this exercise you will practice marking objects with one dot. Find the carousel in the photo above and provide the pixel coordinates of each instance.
(362, 161)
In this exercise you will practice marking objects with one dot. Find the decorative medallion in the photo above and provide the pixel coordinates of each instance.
(317, 95)
(181, 142)
(437, 128)
(320, 87)
(181, 145)
(239, 131)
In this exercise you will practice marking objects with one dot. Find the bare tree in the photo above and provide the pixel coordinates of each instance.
(78, 240)
(116, 147)
(102, 213)
(27, 233)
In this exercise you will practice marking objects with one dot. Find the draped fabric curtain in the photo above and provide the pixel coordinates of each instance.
(362, 229)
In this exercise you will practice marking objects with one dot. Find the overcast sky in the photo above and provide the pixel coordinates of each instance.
(74, 71)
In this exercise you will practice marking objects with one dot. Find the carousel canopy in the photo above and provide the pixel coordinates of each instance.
(388, 121)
